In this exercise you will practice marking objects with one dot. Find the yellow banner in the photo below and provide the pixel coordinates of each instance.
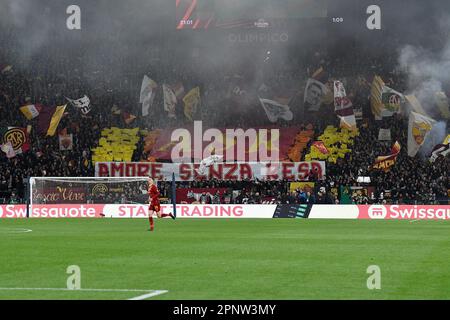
(191, 101)
(56, 118)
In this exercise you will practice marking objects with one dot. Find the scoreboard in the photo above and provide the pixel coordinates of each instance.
(207, 14)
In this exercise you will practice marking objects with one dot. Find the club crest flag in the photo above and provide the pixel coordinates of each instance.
(191, 102)
(170, 101)
(148, 91)
(275, 110)
(418, 128)
(84, 104)
(19, 138)
(343, 107)
(391, 100)
(31, 111)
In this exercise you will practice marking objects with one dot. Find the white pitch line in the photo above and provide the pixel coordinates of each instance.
(148, 295)
(414, 220)
(18, 230)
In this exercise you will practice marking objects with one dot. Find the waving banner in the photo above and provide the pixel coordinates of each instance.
(147, 96)
(275, 110)
(418, 128)
(386, 162)
(343, 107)
(170, 101)
(191, 102)
(84, 104)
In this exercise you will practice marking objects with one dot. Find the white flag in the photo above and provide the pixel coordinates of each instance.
(207, 162)
(343, 106)
(384, 135)
(440, 150)
(418, 128)
(275, 110)
(8, 149)
(84, 104)
(170, 101)
(147, 94)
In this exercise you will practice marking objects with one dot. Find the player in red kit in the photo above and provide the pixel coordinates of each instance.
(155, 206)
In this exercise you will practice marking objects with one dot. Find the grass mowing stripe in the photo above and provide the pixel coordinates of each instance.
(230, 258)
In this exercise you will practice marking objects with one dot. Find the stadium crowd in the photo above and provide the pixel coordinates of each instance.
(112, 78)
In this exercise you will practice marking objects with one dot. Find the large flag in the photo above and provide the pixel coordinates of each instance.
(391, 100)
(170, 101)
(65, 142)
(8, 149)
(19, 138)
(49, 119)
(376, 101)
(442, 104)
(314, 92)
(148, 90)
(440, 150)
(415, 104)
(31, 111)
(275, 110)
(84, 104)
(384, 101)
(191, 102)
(418, 128)
(343, 107)
(386, 162)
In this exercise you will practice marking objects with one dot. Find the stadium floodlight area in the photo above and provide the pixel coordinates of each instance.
(88, 190)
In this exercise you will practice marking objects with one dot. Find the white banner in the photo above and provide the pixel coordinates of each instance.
(170, 101)
(84, 104)
(221, 171)
(147, 94)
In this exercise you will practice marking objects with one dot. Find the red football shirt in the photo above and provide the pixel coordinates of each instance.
(153, 193)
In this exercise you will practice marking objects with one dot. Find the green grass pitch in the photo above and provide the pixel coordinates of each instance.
(226, 258)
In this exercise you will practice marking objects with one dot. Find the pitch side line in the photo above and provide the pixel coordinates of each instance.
(14, 230)
(150, 293)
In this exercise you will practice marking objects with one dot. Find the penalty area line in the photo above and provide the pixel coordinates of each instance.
(148, 294)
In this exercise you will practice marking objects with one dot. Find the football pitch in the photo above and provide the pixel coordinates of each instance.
(224, 259)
